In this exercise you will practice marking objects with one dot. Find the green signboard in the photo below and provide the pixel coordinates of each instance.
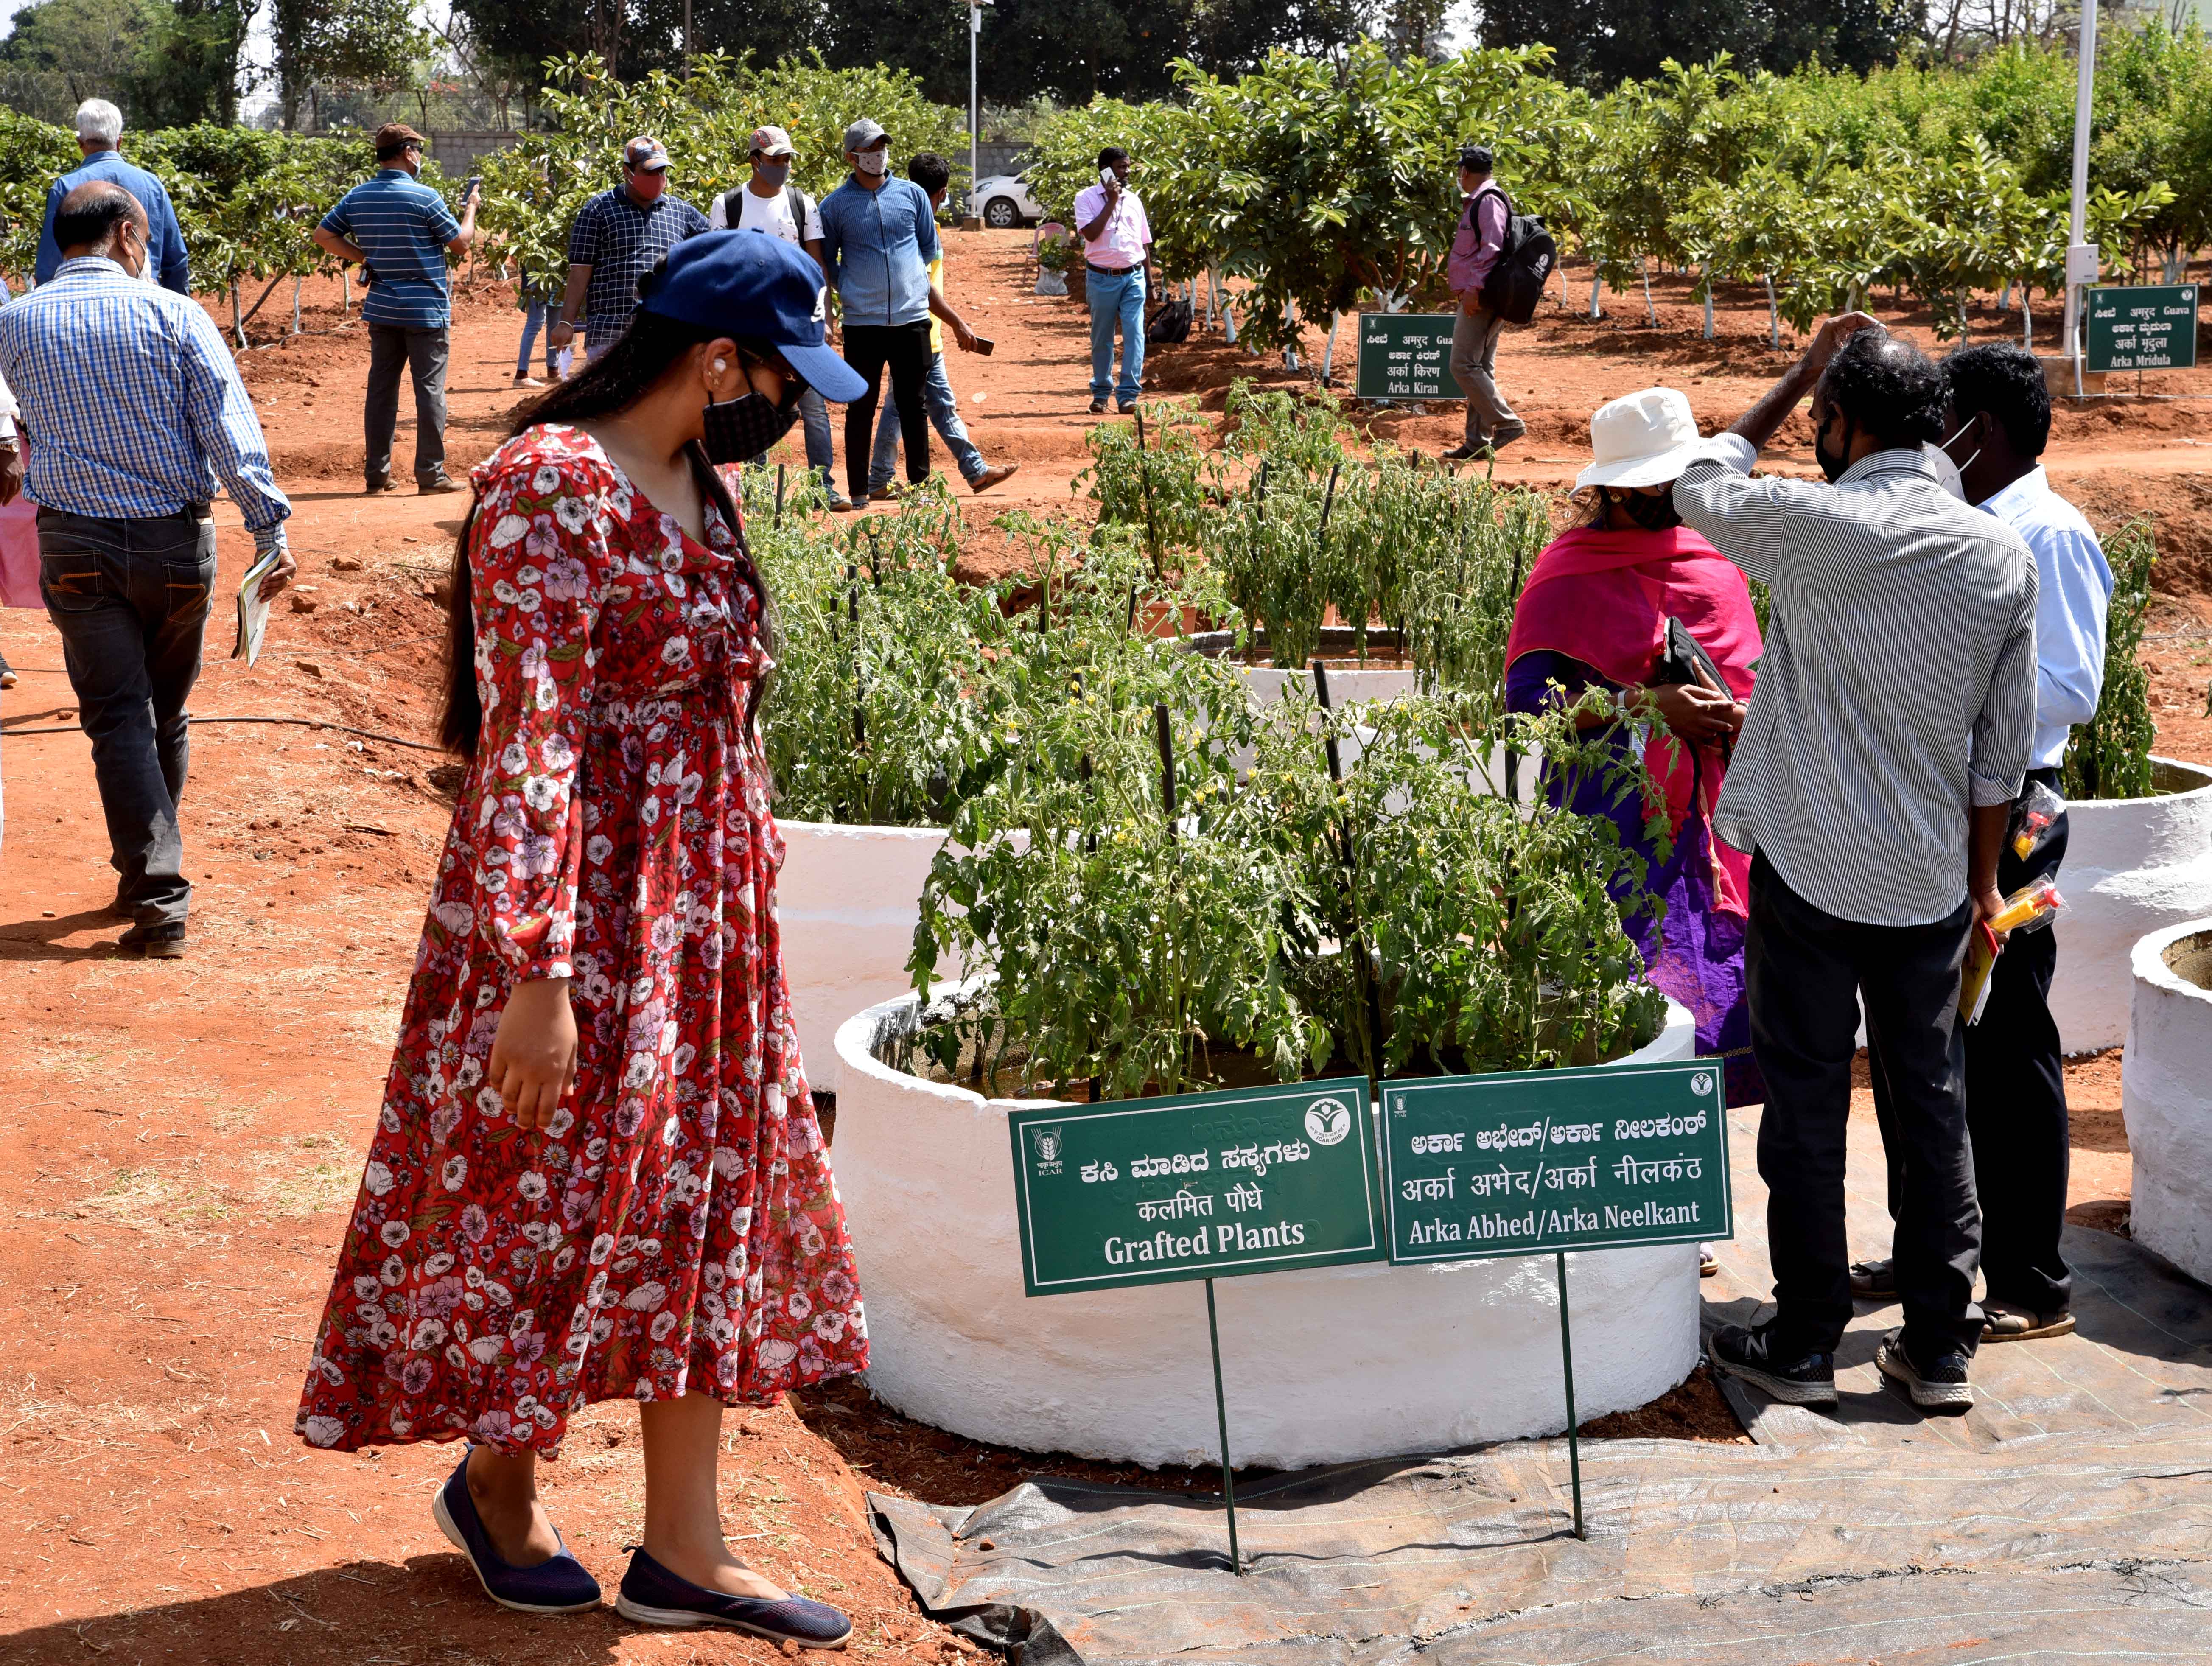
(1406, 355)
(2147, 327)
(1197, 1186)
(1529, 1161)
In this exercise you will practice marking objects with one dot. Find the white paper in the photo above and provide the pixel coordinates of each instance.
(253, 609)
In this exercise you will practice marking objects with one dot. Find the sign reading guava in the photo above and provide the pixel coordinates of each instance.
(2144, 327)
(1406, 356)
(1197, 1186)
(1528, 1162)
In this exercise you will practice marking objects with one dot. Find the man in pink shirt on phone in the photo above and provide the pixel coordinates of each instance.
(1116, 246)
(1475, 247)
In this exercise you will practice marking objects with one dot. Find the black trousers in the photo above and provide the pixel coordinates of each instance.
(131, 600)
(422, 353)
(1806, 970)
(2015, 1108)
(905, 349)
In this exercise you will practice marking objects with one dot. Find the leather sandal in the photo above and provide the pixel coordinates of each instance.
(2004, 1322)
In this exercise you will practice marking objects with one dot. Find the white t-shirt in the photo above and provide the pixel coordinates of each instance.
(771, 214)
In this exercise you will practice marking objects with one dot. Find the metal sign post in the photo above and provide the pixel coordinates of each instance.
(1540, 1162)
(1567, 1365)
(1221, 1413)
(2080, 258)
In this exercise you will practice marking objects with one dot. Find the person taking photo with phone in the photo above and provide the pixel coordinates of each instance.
(402, 230)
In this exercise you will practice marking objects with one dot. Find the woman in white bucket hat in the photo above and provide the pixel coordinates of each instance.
(1596, 614)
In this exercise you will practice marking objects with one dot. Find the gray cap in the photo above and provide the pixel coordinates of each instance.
(862, 134)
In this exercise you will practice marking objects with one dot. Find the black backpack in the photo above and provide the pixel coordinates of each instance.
(1524, 265)
(1170, 323)
(794, 203)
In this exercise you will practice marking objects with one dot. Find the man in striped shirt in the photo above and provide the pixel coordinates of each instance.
(1879, 759)
(401, 231)
(138, 417)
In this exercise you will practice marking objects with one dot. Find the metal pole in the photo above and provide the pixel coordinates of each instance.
(2084, 95)
(1221, 1413)
(1567, 1360)
(975, 113)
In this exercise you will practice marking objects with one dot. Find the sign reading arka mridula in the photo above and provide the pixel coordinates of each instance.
(1196, 1186)
(2145, 326)
(1526, 1162)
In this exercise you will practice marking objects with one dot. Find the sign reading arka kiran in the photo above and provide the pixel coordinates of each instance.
(1536, 1160)
(1196, 1186)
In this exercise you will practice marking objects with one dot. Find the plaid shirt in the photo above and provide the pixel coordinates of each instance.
(620, 242)
(133, 403)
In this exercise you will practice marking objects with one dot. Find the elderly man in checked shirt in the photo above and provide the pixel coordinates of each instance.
(1880, 758)
(136, 415)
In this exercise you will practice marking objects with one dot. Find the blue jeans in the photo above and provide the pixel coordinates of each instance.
(1117, 297)
(944, 417)
(535, 317)
(129, 599)
(814, 414)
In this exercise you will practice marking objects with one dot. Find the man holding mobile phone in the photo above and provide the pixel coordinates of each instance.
(934, 175)
(1117, 241)
(403, 228)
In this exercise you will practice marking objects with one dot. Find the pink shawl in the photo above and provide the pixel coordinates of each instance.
(1604, 598)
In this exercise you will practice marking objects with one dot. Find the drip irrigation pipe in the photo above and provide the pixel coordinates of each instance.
(301, 722)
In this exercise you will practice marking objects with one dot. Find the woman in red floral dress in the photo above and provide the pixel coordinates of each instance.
(597, 1173)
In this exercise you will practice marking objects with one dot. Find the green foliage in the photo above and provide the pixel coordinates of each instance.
(1280, 913)
(2109, 757)
(705, 116)
(1327, 183)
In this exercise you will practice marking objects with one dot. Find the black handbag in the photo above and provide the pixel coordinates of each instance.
(1682, 659)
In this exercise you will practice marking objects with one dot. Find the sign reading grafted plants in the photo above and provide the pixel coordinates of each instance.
(1521, 1162)
(1196, 1186)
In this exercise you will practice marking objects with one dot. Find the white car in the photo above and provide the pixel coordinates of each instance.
(1002, 201)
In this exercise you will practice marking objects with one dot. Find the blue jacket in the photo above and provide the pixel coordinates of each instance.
(165, 241)
(876, 247)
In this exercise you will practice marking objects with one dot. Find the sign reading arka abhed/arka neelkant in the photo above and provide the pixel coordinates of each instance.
(1526, 1162)
(1196, 1186)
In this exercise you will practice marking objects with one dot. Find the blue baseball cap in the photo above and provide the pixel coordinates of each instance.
(753, 283)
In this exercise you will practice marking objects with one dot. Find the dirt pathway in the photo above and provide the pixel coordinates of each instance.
(180, 1141)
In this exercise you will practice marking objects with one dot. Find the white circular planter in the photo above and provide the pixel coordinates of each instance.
(2166, 1095)
(2133, 866)
(847, 900)
(1324, 1366)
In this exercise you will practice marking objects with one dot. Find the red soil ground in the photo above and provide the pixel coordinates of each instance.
(180, 1141)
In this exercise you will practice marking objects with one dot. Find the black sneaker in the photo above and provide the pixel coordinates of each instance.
(1937, 1385)
(377, 482)
(1461, 453)
(1806, 1379)
(153, 943)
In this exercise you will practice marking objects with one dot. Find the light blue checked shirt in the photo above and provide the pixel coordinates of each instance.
(133, 403)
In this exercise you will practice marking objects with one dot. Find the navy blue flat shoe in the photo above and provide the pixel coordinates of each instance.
(651, 1595)
(559, 1584)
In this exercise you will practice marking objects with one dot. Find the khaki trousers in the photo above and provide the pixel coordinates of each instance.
(1474, 358)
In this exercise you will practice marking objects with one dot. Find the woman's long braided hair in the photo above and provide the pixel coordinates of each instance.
(614, 381)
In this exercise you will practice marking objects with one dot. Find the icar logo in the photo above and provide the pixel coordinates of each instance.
(1046, 1145)
(1328, 1121)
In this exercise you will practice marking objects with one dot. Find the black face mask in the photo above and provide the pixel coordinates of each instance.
(738, 430)
(1653, 513)
(1831, 465)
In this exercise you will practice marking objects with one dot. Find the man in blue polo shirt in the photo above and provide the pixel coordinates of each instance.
(99, 131)
(619, 236)
(401, 231)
